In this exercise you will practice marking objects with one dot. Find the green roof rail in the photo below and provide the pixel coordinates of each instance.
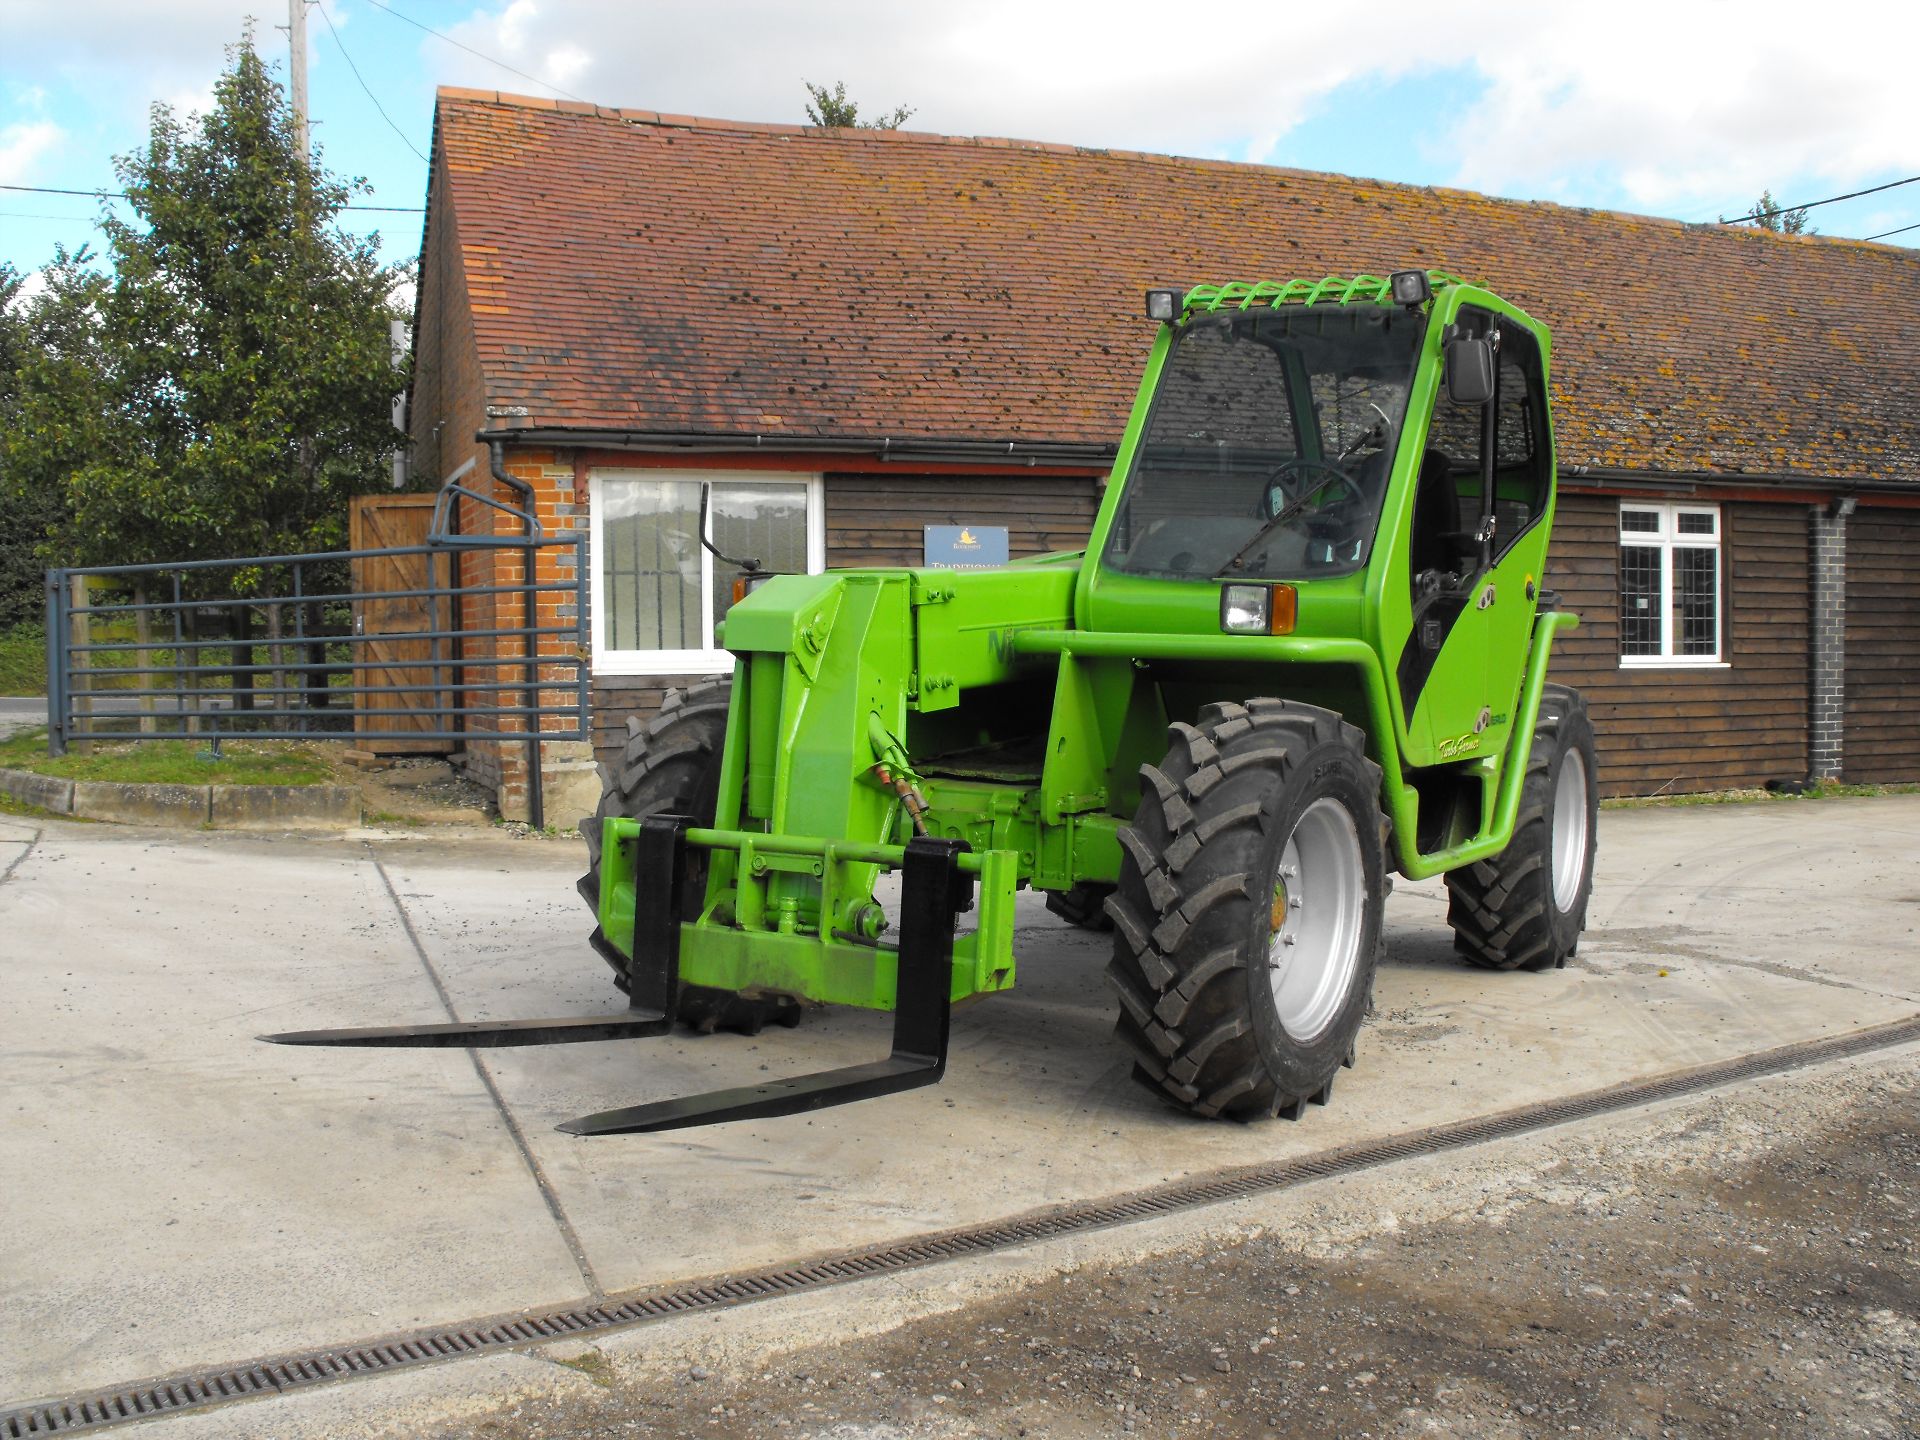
(1336, 289)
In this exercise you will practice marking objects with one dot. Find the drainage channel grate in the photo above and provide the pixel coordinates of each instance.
(150, 1398)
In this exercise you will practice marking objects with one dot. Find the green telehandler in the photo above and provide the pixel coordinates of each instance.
(1305, 647)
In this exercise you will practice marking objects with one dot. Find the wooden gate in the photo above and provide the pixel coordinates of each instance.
(393, 624)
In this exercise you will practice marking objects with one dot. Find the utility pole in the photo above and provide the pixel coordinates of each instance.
(297, 69)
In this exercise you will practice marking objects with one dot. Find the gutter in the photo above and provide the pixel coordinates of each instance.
(1613, 477)
(1028, 453)
(1032, 454)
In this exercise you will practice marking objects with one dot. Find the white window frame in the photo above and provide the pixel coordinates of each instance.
(711, 659)
(1666, 540)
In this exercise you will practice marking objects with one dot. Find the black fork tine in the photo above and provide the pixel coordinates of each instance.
(653, 972)
(933, 890)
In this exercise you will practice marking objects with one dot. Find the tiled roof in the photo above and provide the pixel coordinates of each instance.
(634, 271)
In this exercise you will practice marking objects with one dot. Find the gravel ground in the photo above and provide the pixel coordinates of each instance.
(1741, 1265)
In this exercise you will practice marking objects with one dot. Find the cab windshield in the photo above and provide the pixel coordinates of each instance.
(1268, 444)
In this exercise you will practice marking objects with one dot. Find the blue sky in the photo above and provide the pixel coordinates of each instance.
(1685, 109)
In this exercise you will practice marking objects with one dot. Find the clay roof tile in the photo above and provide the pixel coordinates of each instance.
(633, 270)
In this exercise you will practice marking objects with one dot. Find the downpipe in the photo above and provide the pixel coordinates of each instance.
(530, 689)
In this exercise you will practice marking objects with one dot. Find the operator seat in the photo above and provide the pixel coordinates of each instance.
(1436, 538)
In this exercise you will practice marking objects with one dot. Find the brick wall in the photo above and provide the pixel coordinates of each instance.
(1827, 643)
(501, 765)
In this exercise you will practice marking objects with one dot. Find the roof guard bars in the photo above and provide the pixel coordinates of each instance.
(1338, 289)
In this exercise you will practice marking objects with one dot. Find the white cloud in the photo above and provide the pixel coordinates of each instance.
(1684, 100)
(21, 147)
(32, 285)
(1119, 75)
(121, 55)
(1681, 106)
(1662, 103)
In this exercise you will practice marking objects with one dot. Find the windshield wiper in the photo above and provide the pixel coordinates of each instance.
(1288, 512)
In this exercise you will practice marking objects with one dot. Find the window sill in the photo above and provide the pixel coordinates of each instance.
(1667, 662)
(636, 663)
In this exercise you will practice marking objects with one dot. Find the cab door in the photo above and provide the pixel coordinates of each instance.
(1475, 553)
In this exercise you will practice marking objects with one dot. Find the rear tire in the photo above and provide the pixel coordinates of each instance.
(671, 765)
(1525, 908)
(1084, 906)
(1247, 917)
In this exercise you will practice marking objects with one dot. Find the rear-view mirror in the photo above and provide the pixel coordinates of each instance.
(1469, 371)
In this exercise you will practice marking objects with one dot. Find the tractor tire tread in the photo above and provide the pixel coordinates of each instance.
(659, 766)
(1499, 907)
(1190, 1038)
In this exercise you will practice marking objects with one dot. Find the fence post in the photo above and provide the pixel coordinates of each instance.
(582, 642)
(56, 662)
(530, 617)
(79, 685)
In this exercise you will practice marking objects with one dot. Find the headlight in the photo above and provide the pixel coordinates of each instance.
(1258, 609)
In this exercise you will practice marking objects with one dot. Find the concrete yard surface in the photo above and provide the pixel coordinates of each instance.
(182, 1195)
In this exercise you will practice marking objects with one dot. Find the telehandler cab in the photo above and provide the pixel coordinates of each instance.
(1306, 645)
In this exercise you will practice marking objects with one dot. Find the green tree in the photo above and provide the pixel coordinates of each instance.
(230, 384)
(832, 110)
(1767, 213)
(19, 588)
(49, 418)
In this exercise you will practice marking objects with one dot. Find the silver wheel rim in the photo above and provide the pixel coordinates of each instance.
(1319, 907)
(1569, 854)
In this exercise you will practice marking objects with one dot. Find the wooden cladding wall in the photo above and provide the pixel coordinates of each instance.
(1882, 716)
(876, 519)
(1668, 731)
(1662, 731)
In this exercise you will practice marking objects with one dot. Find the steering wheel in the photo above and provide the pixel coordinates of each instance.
(1274, 484)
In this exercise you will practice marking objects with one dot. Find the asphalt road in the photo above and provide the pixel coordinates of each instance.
(21, 713)
(186, 1196)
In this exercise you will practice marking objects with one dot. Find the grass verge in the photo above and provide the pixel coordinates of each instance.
(172, 762)
(23, 661)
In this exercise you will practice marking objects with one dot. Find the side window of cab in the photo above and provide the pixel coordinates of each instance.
(1449, 510)
(1523, 454)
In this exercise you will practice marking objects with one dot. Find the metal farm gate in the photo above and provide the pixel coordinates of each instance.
(393, 647)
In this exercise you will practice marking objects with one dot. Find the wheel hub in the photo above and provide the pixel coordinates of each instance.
(1316, 919)
(1567, 854)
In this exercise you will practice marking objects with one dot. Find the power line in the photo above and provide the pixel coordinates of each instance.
(545, 84)
(36, 215)
(49, 190)
(1816, 204)
(121, 195)
(1884, 233)
(328, 17)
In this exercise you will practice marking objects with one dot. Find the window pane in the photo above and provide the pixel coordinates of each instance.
(650, 573)
(766, 523)
(1696, 609)
(1639, 600)
(1640, 522)
(1513, 443)
(1696, 524)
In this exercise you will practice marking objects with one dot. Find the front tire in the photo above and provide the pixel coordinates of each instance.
(671, 765)
(1247, 918)
(1525, 908)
